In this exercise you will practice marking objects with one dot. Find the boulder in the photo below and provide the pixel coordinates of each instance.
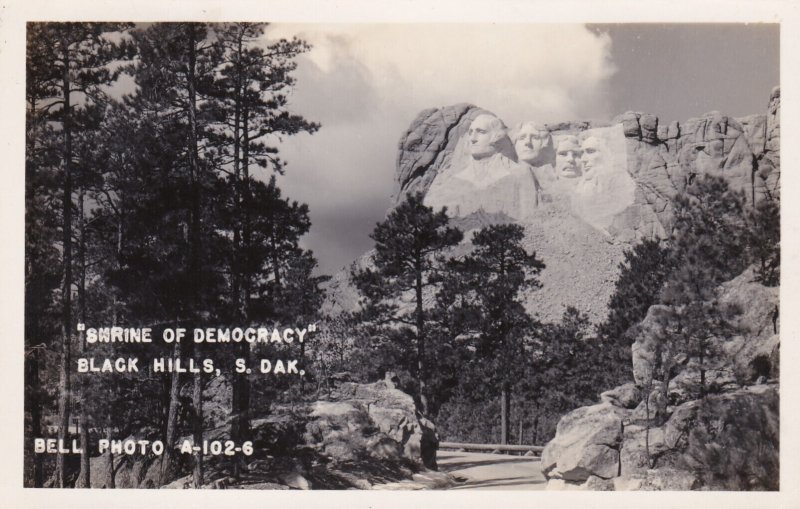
(753, 352)
(587, 443)
(625, 396)
(663, 479)
(639, 447)
(594, 483)
(725, 441)
(345, 427)
(730, 440)
(561, 485)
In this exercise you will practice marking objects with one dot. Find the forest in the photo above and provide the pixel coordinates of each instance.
(152, 201)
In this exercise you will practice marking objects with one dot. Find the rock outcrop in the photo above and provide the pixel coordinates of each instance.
(587, 443)
(660, 157)
(376, 420)
(362, 436)
(744, 358)
(727, 439)
(579, 227)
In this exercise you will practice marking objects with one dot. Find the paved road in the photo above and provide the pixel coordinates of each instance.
(492, 471)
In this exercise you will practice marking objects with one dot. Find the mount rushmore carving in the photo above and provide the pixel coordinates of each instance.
(619, 176)
(584, 191)
(514, 173)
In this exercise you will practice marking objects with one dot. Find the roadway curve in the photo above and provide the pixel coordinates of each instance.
(483, 471)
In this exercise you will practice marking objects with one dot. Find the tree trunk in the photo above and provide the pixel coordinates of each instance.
(196, 244)
(172, 422)
(197, 402)
(240, 390)
(84, 477)
(649, 390)
(66, 289)
(420, 317)
(664, 403)
(112, 483)
(240, 386)
(33, 406)
(505, 405)
(33, 403)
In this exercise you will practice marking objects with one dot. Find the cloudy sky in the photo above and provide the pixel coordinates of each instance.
(366, 83)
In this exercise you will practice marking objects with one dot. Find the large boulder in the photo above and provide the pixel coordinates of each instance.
(625, 396)
(752, 353)
(376, 420)
(724, 441)
(586, 444)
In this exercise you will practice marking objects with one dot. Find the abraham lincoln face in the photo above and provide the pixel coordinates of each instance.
(593, 157)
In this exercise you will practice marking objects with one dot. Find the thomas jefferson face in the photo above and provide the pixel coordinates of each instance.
(593, 156)
(568, 155)
(530, 141)
(483, 133)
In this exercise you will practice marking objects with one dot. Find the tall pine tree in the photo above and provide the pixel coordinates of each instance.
(407, 248)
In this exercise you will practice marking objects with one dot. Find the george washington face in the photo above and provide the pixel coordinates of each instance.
(484, 132)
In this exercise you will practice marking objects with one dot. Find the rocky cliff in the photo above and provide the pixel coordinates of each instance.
(727, 439)
(593, 190)
(660, 157)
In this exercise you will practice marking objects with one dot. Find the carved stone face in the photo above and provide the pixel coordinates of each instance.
(568, 155)
(483, 133)
(529, 142)
(593, 157)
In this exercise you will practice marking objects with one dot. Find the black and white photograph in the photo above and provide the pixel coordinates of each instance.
(443, 256)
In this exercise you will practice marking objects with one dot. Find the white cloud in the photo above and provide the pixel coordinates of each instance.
(365, 83)
(518, 71)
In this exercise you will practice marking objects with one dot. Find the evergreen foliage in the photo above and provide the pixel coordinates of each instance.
(143, 211)
(408, 245)
(641, 279)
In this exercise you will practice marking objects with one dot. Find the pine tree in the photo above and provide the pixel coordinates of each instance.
(562, 372)
(68, 64)
(707, 248)
(175, 72)
(249, 101)
(641, 279)
(406, 247)
(497, 271)
(763, 237)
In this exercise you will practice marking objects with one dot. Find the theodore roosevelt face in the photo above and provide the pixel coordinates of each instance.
(568, 155)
